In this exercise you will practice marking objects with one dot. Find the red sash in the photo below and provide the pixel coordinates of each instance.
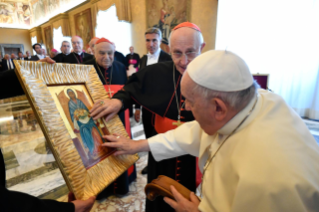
(132, 61)
(162, 125)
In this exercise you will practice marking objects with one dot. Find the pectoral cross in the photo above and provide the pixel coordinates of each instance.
(178, 123)
(110, 92)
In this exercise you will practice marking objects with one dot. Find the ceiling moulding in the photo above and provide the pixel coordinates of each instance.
(35, 29)
(94, 1)
(59, 17)
(61, 20)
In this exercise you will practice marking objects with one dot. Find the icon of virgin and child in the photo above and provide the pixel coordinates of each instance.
(88, 132)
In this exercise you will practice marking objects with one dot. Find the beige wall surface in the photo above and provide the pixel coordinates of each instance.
(16, 36)
(139, 24)
(204, 15)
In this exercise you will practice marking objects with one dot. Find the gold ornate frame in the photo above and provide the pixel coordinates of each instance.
(34, 78)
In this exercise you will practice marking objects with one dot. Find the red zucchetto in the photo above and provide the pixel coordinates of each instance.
(101, 40)
(187, 24)
(54, 50)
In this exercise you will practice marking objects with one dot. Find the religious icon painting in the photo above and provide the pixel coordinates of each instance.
(83, 26)
(73, 103)
(61, 96)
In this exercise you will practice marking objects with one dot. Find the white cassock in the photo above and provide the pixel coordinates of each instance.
(271, 163)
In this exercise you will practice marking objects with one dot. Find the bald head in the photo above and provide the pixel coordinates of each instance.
(77, 44)
(185, 44)
(104, 54)
(92, 43)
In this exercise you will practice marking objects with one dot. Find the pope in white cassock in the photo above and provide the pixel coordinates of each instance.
(255, 152)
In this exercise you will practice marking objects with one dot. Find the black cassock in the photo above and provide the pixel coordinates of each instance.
(153, 88)
(118, 70)
(59, 57)
(74, 58)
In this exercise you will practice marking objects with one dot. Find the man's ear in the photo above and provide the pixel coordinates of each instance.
(202, 46)
(220, 109)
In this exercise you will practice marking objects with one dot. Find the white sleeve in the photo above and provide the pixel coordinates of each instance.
(183, 140)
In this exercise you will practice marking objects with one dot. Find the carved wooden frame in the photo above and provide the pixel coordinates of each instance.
(34, 78)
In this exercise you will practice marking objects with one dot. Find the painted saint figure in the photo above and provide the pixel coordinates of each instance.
(84, 124)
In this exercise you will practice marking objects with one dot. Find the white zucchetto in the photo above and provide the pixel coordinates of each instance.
(220, 70)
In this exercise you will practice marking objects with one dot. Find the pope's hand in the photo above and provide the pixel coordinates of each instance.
(182, 204)
(84, 205)
(47, 60)
(107, 107)
(125, 146)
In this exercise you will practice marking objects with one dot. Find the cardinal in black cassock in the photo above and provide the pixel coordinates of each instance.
(112, 73)
(157, 89)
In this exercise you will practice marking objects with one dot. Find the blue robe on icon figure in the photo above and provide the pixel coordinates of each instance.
(89, 132)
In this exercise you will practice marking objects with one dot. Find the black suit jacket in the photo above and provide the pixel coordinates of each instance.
(71, 58)
(34, 58)
(4, 65)
(26, 58)
(162, 58)
(59, 58)
(88, 58)
(118, 56)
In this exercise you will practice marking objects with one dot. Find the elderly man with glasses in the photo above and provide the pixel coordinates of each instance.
(157, 88)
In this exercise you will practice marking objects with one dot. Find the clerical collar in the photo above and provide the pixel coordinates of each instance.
(155, 53)
(238, 118)
(102, 68)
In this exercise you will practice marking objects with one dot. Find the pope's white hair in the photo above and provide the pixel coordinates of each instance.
(199, 37)
(236, 100)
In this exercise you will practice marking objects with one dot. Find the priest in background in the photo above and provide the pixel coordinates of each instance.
(7, 63)
(91, 44)
(13, 56)
(255, 151)
(77, 56)
(132, 59)
(65, 51)
(39, 54)
(53, 53)
(28, 55)
(112, 73)
(20, 56)
(157, 89)
(44, 52)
